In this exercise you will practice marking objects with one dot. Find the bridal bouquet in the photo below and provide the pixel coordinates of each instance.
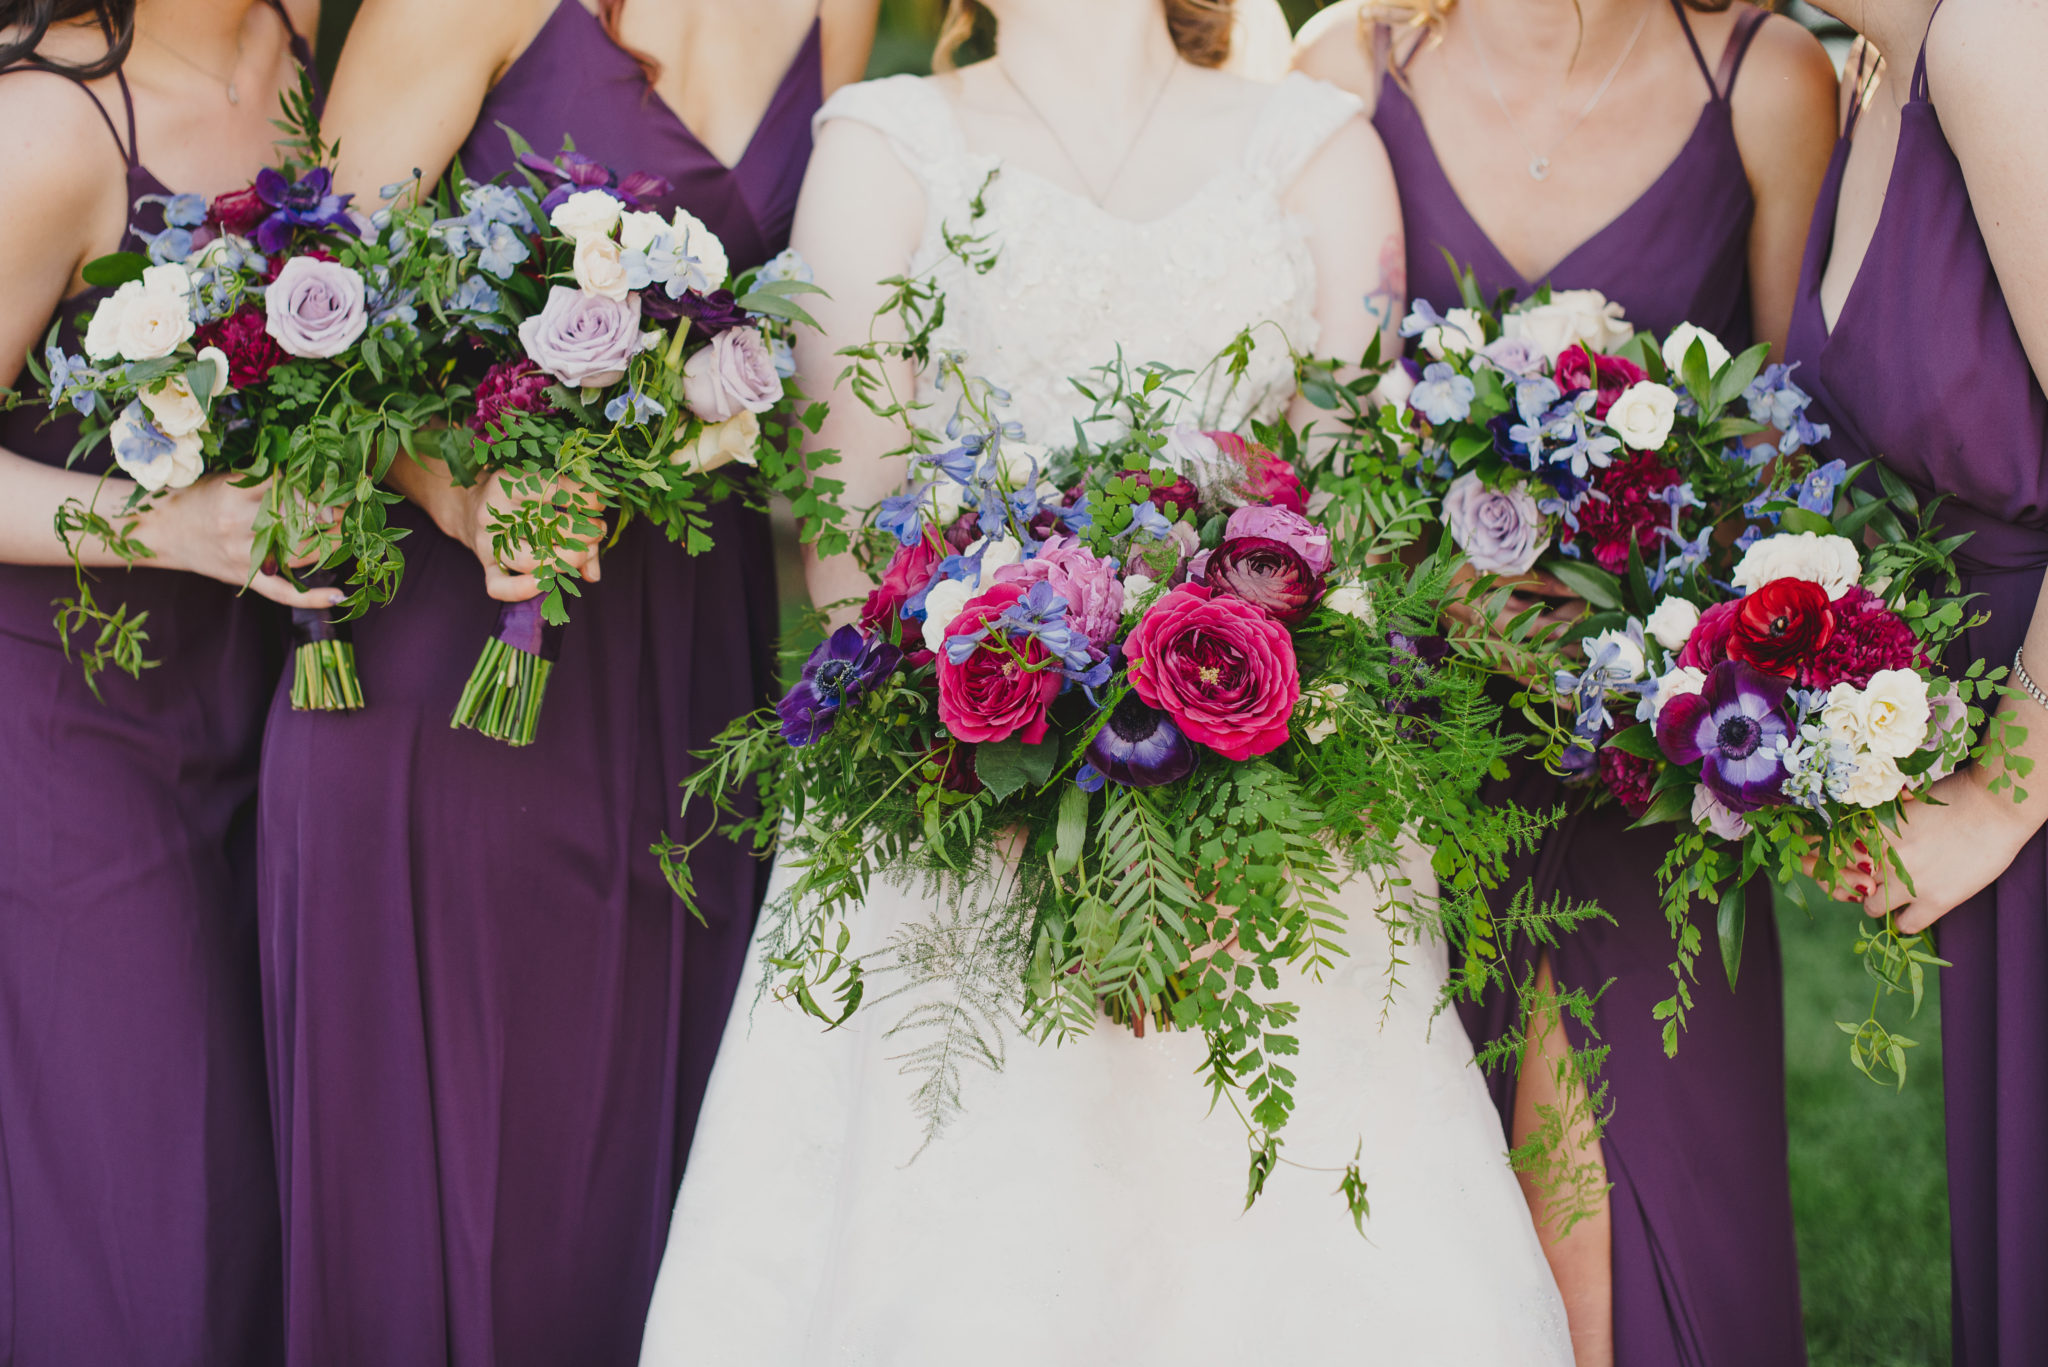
(622, 375)
(262, 336)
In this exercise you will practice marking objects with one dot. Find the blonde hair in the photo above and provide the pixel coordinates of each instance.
(1429, 15)
(1200, 29)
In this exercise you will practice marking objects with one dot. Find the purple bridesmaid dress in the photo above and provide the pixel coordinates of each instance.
(1925, 371)
(1705, 1267)
(138, 1213)
(490, 1020)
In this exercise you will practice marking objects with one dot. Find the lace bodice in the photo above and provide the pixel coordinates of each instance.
(1071, 282)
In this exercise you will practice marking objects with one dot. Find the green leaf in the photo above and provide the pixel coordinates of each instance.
(1470, 445)
(1006, 767)
(1740, 372)
(1673, 804)
(1729, 926)
(1639, 740)
(1590, 582)
(1800, 520)
(1073, 829)
(115, 270)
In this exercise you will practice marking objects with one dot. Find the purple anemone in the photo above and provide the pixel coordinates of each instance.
(1140, 746)
(1735, 728)
(308, 202)
(847, 665)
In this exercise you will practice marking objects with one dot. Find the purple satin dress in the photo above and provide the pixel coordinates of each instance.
(138, 1214)
(491, 1022)
(1925, 371)
(1704, 1262)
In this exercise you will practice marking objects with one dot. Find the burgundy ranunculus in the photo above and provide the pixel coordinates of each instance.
(1868, 637)
(1270, 574)
(909, 570)
(509, 385)
(1168, 491)
(238, 211)
(1267, 478)
(957, 766)
(1781, 626)
(1708, 644)
(1003, 688)
(1631, 513)
(1629, 777)
(245, 340)
(1578, 367)
(1221, 668)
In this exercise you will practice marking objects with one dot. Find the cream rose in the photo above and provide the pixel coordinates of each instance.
(1829, 561)
(738, 438)
(637, 230)
(173, 407)
(152, 457)
(702, 245)
(1351, 600)
(598, 269)
(1671, 623)
(587, 213)
(1677, 683)
(1680, 342)
(1571, 317)
(1888, 718)
(142, 320)
(1876, 781)
(1643, 415)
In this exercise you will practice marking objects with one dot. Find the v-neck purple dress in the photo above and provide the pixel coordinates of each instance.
(491, 1021)
(1925, 371)
(1704, 1262)
(138, 1216)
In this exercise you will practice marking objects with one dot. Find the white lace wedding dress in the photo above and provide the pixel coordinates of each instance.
(1086, 1208)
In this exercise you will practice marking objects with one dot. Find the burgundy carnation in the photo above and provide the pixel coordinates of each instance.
(1221, 668)
(909, 570)
(509, 385)
(1631, 513)
(1781, 626)
(1270, 574)
(1628, 777)
(238, 211)
(1868, 636)
(245, 340)
(1004, 687)
(1577, 368)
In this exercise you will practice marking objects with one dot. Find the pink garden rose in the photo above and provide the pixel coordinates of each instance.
(996, 693)
(1094, 593)
(736, 371)
(584, 340)
(1311, 542)
(315, 308)
(908, 571)
(1221, 668)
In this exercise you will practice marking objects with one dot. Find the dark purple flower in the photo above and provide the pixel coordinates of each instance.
(1270, 574)
(847, 665)
(1419, 654)
(309, 202)
(1558, 476)
(572, 171)
(1140, 747)
(713, 313)
(1737, 725)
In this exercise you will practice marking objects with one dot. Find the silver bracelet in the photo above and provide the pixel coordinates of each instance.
(2026, 680)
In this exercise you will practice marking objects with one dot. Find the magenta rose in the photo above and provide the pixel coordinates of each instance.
(315, 308)
(238, 211)
(735, 372)
(1221, 668)
(1579, 369)
(1094, 593)
(1708, 644)
(1005, 686)
(584, 340)
(909, 570)
(1268, 574)
(1311, 542)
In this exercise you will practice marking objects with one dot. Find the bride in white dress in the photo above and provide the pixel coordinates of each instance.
(1085, 1207)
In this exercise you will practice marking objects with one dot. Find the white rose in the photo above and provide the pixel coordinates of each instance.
(173, 407)
(103, 333)
(1626, 663)
(598, 269)
(151, 457)
(137, 323)
(1643, 415)
(637, 230)
(1461, 333)
(1001, 553)
(1351, 600)
(1676, 683)
(1671, 624)
(1571, 317)
(1829, 561)
(1889, 717)
(1394, 387)
(1680, 342)
(1876, 781)
(1321, 703)
(702, 244)
(738, 438)
(225, 250)
(171, 279)
(1140, 591)
(941, 605)
(587, 213)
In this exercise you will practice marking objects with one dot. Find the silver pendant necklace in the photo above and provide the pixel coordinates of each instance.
(1116, 174)
(1539, 162)
(234, 93)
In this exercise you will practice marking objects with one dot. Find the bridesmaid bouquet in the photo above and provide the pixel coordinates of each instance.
(262, 336)
(622, 375)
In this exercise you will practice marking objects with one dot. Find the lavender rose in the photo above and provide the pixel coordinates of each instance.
(584, 340)
(315, 308)
(1500, 530)
(737, 371)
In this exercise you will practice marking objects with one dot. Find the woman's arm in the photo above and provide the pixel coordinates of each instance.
(1984, 69)
(1331, 47)
(848, 39)
(1784, 112)
(857, 223)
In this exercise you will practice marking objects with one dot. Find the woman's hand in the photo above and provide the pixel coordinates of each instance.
(470, 519)
(1952, 847)
(210, 529)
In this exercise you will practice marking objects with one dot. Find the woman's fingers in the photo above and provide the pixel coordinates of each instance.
(505, 587)
(280, 590)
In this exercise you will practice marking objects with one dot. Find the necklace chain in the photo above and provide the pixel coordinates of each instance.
(1539, 162)
(1116, 174)
(228, 81)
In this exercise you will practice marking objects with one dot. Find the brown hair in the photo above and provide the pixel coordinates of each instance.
(1200, 29)
(32, 20)
(608, 12)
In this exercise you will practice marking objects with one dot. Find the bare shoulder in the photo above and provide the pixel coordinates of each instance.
(471, 32)
(1332, 47)
(1348, 175)
(1785, 100)
(58, 157)
(1988, 54)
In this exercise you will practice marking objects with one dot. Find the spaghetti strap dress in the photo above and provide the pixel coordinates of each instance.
(490, 1020)
(1924, 371)
(1704, 1263)
(138, 1214)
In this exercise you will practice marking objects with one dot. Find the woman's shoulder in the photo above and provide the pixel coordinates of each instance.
(912, 112)
(73, 156)
(1335, 46)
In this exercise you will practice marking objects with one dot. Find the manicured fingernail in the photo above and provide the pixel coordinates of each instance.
(333, 598)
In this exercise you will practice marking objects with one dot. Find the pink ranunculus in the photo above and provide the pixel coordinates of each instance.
(1282, 524)
(1708, 644)
(1268, 574)
(1004, 688)
(909, 570)
(584, 340)
(315, 308)
(1089, 583)
(1221, 668)
(736, 371)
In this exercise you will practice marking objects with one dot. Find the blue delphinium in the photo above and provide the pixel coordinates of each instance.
(634, 409)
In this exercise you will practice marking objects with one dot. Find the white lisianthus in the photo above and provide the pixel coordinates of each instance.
(1677, 683)
(1351, 600)
(152, 457)
(1461, 334)
(700, 243)
(942, 604)
(138, 322)
(173, 407)
(1321, 704)
(1671, 623)
(738, 438)
(1571, 317)
(1888, 718)
(1876, 781)
(598, 269)
(637, 230)
(1643, 415)
(587, 213)
(1680, 342)
(1829, 561)
(1626, 664)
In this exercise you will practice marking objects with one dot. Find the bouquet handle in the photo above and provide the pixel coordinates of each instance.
(324, 675)
(506, 689)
